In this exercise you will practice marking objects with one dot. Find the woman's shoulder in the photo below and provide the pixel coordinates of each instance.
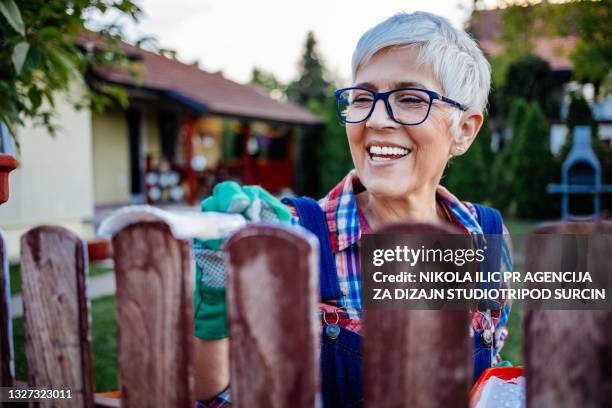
(478, 210)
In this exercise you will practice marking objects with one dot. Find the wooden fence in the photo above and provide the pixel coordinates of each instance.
(410, 358)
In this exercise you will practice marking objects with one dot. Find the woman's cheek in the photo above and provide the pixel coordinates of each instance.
(355, 140)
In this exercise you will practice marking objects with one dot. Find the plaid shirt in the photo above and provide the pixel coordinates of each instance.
(346, 224)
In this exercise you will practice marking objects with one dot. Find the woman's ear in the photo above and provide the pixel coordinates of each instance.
(469, 125)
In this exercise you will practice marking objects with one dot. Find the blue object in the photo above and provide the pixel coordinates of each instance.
(197, 106)
(313, 219)
(384, 96)
(581, 174)
(341, 374)
(491, 223)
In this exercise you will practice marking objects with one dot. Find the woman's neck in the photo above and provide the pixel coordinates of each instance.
(418, 206)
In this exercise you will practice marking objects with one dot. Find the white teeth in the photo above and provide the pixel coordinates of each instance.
(387, 150)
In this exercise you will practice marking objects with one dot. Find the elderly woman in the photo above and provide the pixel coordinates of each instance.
(419, 92)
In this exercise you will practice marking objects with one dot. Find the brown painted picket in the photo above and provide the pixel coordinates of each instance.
(272, 307)
(568, 353)
(58, 345)
(408, 354)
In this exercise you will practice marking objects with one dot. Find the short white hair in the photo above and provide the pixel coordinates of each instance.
(459, 65)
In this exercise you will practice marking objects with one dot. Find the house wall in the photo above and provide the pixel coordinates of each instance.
(53, 184)
(112, 152)
(111, 157)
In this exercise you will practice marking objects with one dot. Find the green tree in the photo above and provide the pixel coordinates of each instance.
(531, 79)
(578, 114)
(592, 57)
(267, 81)
(467, 175)
(311, 85)
(501, 187)
(333, 154)
(533, 166)
(516, 37)
(588, 21)
(40, 56)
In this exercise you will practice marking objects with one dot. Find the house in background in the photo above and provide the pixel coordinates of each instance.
(187, 129)
(184, 130)
(486, 25)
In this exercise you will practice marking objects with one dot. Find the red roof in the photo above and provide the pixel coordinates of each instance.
(486, 25)
(218, 94)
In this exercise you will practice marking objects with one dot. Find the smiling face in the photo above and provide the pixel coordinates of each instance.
(394, 160)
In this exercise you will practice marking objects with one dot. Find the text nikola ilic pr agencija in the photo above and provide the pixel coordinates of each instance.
(453, 280)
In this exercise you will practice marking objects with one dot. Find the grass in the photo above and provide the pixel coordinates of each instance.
(15, 275)
(512, 350)
(518, 229)
(518, 226)
(104, 345)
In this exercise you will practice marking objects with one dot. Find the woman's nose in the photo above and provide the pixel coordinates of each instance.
(380, 117)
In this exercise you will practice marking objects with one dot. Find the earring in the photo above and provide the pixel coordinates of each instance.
(459, 150)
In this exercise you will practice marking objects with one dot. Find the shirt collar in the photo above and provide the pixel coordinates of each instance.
(346, 223)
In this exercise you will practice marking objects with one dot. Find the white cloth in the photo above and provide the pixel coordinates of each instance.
(183, 224)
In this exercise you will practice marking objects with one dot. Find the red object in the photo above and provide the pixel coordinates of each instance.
(7, 164)
(274, 175)
(504, 373)
(192, 179)
(99, 250)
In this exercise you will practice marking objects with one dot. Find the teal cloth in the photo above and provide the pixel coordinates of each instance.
(256, 205)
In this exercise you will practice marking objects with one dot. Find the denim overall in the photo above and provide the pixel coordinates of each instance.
(341, 374)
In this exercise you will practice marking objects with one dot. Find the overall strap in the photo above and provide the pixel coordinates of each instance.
(491, 223)
(313, 218)
(490, 219)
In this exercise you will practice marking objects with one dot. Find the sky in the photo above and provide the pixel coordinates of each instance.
(235, 36)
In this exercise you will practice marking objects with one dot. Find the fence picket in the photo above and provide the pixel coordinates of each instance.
(154, 275)
(272, 305)
(58, 345)
(568, 353)
(416, 358)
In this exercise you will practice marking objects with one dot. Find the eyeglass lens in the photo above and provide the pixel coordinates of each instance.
(407, 106)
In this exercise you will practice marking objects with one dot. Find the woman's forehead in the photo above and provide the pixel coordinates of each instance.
(396, 68)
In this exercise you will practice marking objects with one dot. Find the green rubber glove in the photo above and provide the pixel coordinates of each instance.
(256, 205)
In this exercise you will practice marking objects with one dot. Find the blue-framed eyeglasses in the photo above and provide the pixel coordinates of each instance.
(406, 106)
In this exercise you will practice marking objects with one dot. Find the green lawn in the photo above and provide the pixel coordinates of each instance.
(104, 343)
(518, 226)
(15, 275)
(512, 350)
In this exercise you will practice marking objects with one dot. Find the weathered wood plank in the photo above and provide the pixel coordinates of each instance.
(6, 332)
(272, 305)
(568, 353)
(58, 344)
(154, 316)
(417, 358)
